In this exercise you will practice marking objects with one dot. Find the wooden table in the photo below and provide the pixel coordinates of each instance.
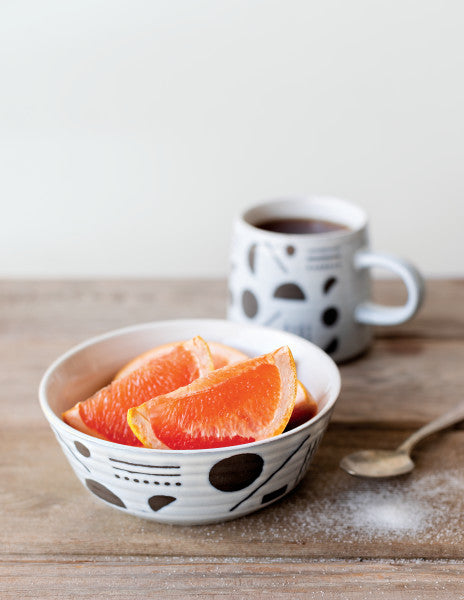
(334, 537)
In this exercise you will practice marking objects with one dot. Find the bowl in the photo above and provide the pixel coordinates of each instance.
(186, 487)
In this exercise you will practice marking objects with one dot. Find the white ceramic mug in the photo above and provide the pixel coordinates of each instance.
(316, 285)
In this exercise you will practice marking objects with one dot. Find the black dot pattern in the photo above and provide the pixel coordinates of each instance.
(252, 257)
(156, 503)
(146, 481)
(104, 493)
(331, 281)
(249, 304)
(236, 472)
(330, 316)
(273, 495)
(332, 346)
(82, 449)
(289, 291)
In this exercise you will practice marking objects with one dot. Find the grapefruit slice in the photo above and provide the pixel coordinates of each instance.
(305, 408)
(240, 403)
(221, 354)
(104, 415)
(225, 355)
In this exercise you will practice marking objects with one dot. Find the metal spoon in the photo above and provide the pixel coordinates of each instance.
(388, 463)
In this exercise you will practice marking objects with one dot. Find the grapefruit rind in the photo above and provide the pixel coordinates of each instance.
(73, 418)
(200, 350)
(220, 354)
(223, 355)
(143, 419)
(142, 429)
(196, 346)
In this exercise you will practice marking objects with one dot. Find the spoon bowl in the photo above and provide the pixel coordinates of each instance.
(389, 463)
(377, 463)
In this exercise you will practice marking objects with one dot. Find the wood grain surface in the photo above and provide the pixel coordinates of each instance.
(333, 537)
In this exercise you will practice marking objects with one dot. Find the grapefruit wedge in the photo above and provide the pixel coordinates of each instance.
(221, 355)
(104, 414)
(240, 403)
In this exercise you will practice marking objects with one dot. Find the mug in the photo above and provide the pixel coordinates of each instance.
(316, 285)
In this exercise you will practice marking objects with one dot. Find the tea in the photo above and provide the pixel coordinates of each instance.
(300, 225)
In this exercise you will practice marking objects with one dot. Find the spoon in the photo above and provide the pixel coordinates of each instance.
(388, 463)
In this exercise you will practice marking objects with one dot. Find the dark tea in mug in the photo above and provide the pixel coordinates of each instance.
(300, 225)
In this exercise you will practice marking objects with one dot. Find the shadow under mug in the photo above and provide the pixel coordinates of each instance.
(317, 285)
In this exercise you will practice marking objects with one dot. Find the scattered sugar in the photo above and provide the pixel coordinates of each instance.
(423, 508)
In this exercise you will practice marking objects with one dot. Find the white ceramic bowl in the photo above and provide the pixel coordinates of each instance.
(186, 486)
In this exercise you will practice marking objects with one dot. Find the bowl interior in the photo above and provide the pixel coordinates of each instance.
(84, 369)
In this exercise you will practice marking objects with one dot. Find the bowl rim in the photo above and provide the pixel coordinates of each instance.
(58, 423)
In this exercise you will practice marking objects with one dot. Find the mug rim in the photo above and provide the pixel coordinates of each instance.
(360, 217)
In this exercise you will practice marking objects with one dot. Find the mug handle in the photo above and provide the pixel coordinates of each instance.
(370, 313)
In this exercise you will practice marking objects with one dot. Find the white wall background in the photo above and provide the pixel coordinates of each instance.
(132, 131)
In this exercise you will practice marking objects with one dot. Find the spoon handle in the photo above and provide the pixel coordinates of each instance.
(451, 417)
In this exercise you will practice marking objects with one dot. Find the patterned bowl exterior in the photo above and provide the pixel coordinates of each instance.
(185, 487)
